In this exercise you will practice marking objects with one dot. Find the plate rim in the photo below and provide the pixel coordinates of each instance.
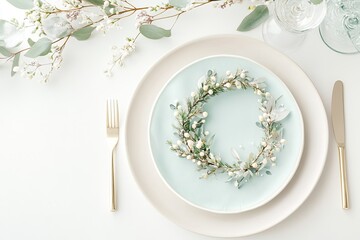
(242, 232)
(284, 87)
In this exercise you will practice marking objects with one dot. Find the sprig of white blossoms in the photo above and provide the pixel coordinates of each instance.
(58, 22)
(194, 141)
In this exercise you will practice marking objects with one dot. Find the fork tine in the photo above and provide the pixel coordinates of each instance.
(107, 114)
(112, 113)
(116, 114)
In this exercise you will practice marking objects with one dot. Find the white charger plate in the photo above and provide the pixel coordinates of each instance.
(214, 224)
(232, 118)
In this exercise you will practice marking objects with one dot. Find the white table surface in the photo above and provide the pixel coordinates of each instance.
(54, 162)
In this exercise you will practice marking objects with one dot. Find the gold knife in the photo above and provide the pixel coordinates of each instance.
(338, 122)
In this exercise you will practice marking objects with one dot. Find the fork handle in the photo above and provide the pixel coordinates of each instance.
(113, 182)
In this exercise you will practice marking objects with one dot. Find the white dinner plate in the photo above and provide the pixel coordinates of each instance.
(215, 224)
(232, 117)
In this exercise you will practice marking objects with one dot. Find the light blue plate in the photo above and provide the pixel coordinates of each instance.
(232, 117)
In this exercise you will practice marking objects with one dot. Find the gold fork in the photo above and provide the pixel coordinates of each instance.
(112, 129)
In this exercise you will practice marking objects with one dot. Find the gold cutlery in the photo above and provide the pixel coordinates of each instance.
(112, 129)
(338, 121)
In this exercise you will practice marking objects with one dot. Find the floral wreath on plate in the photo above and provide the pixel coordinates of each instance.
(194, 141)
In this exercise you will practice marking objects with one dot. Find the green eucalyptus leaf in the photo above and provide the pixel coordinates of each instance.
(268, 173)
(179, 3)
(83, 33)
(5, 52)
(30, 42)
(56, 27)
(96, 2)
(109, 10)
(254, 19)
(22, 4)
(10, 36)
(15, 63)
(154, 32)
(40, 48)
(316, 1)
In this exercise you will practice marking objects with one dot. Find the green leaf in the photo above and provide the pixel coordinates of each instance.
(83, 33)
(109, 10)
(10, 36)
(22, 4)
(30, 42)
(5, 52)
(254, 19)
(154, 32)
(316, 1)
(15, 63)
(268, 173)
(96, 2)
(172, 107)
(40, 48)
(178, 3)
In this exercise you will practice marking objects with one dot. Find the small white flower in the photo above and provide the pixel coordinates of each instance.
(242, 75)
(217, 84)
(206, 133)
(106, 4)
(202, 154)
(228, 85)
(205, 87)
(261, 118)
(263, 144)
(15, 69)
(282, 141)
(205, 114)
(273, 159)
(236, 184)
(175, 146)
(254, 165)
(212, 78)
(230, 173)
(199, 144)
(193, 160)
(193, 94)
(176, 113)
(203, 121)
(198, 163)
(211, 92)
(267, 95)
(179, 142)
(189, 157)
(190, 143)
(193, 126)
(179, 107)
(228, 73)
(187, 135)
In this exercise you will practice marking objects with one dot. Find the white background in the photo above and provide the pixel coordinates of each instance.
(54, 161)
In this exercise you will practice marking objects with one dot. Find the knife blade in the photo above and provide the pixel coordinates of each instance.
(338, 122)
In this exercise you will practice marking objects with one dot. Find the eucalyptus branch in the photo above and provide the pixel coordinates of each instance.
(54, 26)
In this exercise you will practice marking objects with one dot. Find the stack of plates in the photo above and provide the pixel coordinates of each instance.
(172, 184)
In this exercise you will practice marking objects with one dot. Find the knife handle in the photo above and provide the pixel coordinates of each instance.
(343, 178)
